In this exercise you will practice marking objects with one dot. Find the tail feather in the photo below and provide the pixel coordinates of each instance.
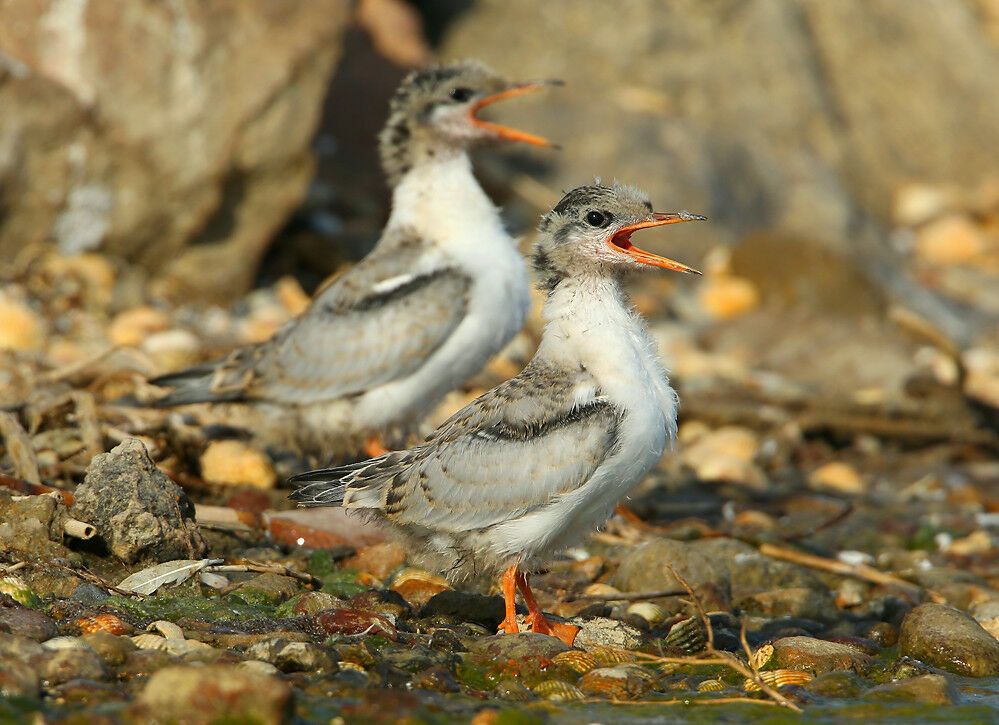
(320, 493)
(202, 370)
(192, 385)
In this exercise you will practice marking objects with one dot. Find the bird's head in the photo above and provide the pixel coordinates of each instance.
(590, 231)
(439, 105)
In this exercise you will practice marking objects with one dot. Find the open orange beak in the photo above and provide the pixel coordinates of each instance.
(511, 134)
(621, 240)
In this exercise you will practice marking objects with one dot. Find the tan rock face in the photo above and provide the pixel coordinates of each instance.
(234, 463)
(201, 137)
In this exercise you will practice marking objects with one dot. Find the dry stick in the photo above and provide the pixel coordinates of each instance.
(727, 657)
(19, 448)
(630, 597)
(859, 571)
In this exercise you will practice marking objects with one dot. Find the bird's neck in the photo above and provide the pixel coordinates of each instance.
(441, 199)
(404, 149)
(581, 310)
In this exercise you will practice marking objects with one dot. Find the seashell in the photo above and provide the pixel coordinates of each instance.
(761, 657)
(649, 611)
(264, 668)
(688, 636)
(780, 678)
(558, 691)
(711, 686)
(419, 575)
(149, 641)
(167, 629)
(65, 643)
(617, 683)
(607, 656)
(576, 660)
(110, 623)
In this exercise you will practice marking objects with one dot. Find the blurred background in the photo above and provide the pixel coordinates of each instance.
(177, 177)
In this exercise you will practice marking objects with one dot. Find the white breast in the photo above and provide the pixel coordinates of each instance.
(603, 335)
(445, 203)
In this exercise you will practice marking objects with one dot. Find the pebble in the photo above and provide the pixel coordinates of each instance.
(931, 689)
(837, 477)
(276, 588)
(503, 647)
(916, 203)
(130, 327)
(951, 240)
(74, 663)
(172, 349)
(819, 656)
(354, 621)
(213, 693)
(724, 296)
(27, 623)
(111, 648)
(379, 560)
(235, 463)
(803, 602)
(291, 295)
(485, 611)
(726, 454)
(947, 638)
(291, 656)
(21, 328)
(605, 632)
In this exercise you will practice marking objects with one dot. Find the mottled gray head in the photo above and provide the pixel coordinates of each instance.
(434, 110)
(590, 230)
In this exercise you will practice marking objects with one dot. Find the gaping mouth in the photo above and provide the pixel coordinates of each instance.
(511, 134)
(620, 241)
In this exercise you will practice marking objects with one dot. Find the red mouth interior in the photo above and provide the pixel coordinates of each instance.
(622, 241)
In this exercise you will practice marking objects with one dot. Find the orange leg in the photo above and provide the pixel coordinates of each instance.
(509, 624)
(628, 515)
(374, 447)
(536, 618)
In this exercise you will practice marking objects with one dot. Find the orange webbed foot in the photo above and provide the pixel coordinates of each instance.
(565, 632)
(374, 447)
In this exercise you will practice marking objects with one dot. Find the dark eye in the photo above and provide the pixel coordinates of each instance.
(461, 94)
(595, 219)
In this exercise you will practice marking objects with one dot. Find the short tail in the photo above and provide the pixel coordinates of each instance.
(192, 385)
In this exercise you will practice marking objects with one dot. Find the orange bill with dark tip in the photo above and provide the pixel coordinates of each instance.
(511, 134)
(621, 240)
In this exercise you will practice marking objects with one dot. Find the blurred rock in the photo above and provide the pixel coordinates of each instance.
(140, 513)
(724, 296)
(502, 647)
(378, 560)
(949, 639)
(234, 463)
(214, 693)
(766, 114)
(931, 689)
(726, 454)
(176, 135)
(917, 203)
(172, 349)
(838, 477)
(132, 326)
(20, 327)
(952, 239)
(818, 656)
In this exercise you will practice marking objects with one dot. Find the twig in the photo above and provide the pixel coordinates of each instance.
(34, 489)
(831, 521)
(727, 657)
(630, 596)
(858, 571)
(266, 569)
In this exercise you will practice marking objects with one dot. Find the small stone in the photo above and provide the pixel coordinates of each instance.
(726, 454)
(837, 477)
(379, 560)
(291, 295)
(930, 689)
(353, 621)
(27, 623)
(724, 296)
(917, 203)
(311, 603)
(21, 328)
(947, 638)
(64, 665)
(19, 659)
(291, 656)
(130, 327)
(87, 593)
(235, 463)
(485, 611)
(386, 602)
(818, 656)
(276, 588)
(951, 240)
(140, 513)
(977, 542)
(605, 632)
(111, 648)
(172, 349)
(803, 602)
(838, 684)
(214, 693)
(624, 681)
(503, 647)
